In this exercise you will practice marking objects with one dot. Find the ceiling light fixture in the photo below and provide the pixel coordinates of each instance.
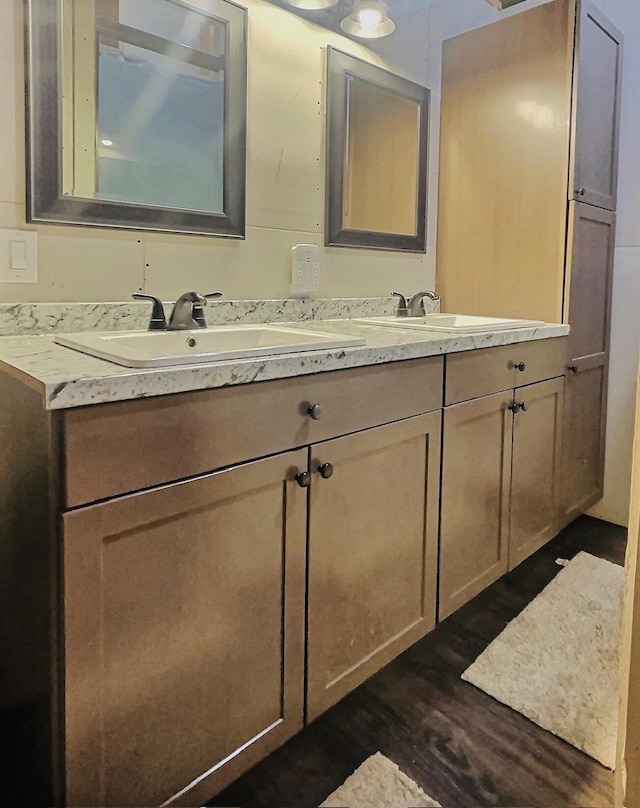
(311, 5)
(369, 20)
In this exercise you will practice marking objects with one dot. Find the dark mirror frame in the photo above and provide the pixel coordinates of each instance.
(339, 67)
(44, 137)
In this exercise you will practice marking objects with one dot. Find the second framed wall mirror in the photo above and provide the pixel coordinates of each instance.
(377, 146)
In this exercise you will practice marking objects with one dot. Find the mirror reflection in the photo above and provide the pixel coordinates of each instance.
(151, 108)
(376, 157)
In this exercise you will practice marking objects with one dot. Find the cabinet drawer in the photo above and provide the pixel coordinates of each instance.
(479, 373)
(111, 449)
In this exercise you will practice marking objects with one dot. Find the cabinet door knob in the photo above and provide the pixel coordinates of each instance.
(573, 368)
(580, 191)
(524, 406)
(520, 366)
(514, 407)
(314, 411)
(325, 470)
(303, 478)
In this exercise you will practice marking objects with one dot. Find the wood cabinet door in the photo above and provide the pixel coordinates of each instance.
(597, 85)
(476, 471)
(584, 436)
(589, 279)
(535, 468)
(184, 633)
(373, 529)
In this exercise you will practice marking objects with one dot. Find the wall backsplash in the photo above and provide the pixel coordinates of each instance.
(285, 184)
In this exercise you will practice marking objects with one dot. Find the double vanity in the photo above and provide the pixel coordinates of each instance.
(211, 555)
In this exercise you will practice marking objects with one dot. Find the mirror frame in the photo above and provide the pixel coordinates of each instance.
(339, 66)
(44, 137)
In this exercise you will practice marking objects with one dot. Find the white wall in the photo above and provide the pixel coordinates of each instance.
(285, 184)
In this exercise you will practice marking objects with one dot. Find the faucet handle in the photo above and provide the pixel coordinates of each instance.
(198, 310)
(402, 310)
(157, 321)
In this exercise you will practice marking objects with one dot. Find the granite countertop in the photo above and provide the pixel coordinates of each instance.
(67, 378)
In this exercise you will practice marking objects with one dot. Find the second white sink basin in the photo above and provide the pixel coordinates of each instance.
(144, 349)
(461, 323)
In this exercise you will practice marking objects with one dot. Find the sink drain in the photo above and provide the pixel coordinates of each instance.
(192, 342)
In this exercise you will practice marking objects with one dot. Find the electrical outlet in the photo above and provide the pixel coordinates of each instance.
(305, 270)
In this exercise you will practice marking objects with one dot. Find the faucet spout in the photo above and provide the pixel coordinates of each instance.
(184, 314)
(416, 303)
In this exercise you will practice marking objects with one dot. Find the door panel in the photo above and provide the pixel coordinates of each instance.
(584, 437)
(174, 619)
(535, 468)
(476, 471)
(590, 263)
(372, 553)
(597, 108)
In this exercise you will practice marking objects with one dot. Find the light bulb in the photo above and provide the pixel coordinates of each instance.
(369, 18)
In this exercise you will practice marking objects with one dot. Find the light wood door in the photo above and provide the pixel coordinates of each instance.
(584, 436)
(535, 468)
(476, 472)
(184, 632)
(373, 529)
(597, 85)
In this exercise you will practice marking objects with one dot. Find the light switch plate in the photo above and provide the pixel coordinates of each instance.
(18, 256)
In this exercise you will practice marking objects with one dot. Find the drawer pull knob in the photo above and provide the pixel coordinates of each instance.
(514, 407)
(520, 366)
(581, 191)
(314, 411)
(573, 368)
(303, 478)
(524, 406)
(325, 470)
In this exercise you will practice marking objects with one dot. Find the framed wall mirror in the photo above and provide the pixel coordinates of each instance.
(377, 146)
(137, 114)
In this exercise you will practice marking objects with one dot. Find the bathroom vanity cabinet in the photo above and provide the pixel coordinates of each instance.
(502, 442)
(528, 180)
(200, 574)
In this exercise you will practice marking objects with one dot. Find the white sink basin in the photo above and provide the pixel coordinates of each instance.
(146, 349)
(453, 323)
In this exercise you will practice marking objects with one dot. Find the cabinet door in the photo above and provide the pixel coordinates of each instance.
(535, 468)
(588, 311)
(598, 61)
(372, 553)
(476, 470)
(183, 634)
(584, 436)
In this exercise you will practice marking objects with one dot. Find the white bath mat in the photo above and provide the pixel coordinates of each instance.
(379, 783)
(557, 662)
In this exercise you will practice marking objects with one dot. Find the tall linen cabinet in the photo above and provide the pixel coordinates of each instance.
(527, 196)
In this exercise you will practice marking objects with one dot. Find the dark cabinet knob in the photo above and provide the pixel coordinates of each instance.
(520, 366)
(514, 407)
(325, 470)
(303, 478)
(580, 191)
(524, 406)
(573, 368)
(314, 411)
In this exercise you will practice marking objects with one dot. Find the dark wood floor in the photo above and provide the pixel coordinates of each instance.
(461, 746)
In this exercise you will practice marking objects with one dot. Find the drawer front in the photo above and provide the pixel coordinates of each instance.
(113, 449)
(489, 370)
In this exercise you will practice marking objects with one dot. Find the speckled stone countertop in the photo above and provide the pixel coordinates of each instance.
(67, 378)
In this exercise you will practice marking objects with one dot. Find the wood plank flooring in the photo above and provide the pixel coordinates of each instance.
(461, 746)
